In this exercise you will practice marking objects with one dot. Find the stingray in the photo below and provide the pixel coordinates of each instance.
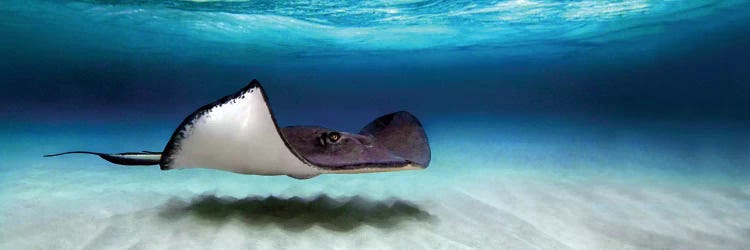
(239, 133)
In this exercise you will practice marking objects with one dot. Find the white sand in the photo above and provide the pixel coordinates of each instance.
(502, 209)
(517, 193)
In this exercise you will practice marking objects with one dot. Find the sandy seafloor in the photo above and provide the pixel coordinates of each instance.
(527, 185)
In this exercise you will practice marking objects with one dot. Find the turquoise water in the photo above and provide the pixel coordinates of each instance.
(553, 124)
(242, 29)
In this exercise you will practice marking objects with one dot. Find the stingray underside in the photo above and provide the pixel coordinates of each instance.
(237, 133)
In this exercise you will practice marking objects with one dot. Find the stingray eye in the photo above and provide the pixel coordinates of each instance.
(334, 136)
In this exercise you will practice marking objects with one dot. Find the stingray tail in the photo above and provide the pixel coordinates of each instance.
(144, 158)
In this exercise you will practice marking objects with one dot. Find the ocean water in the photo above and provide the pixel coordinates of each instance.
(553, 124)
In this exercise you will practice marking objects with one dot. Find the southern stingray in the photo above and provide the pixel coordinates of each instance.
(239, 133)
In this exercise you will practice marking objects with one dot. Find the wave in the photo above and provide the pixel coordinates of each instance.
(458, 12)
(312, 27)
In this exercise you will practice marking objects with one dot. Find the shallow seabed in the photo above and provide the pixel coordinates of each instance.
(537, 185)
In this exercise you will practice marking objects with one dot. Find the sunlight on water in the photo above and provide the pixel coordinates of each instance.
(320, 27)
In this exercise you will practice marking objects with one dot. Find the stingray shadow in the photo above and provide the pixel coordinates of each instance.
(297, 214)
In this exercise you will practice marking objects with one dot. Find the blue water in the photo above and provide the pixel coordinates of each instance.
(630, 59)
(635, 105)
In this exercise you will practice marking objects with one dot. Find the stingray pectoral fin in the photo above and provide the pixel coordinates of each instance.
(237, 133)
(403, 135)
(128, 159)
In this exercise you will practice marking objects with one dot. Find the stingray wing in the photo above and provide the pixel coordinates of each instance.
(401, 134)
(237, 133)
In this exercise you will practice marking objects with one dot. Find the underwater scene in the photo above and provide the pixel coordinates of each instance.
(375, 124)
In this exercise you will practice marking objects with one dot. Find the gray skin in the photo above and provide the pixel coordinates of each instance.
(334, 150)
(391, 141)
(402, 134)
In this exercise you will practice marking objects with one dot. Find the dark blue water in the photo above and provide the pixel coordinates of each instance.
(653, 91)
(624, 59)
